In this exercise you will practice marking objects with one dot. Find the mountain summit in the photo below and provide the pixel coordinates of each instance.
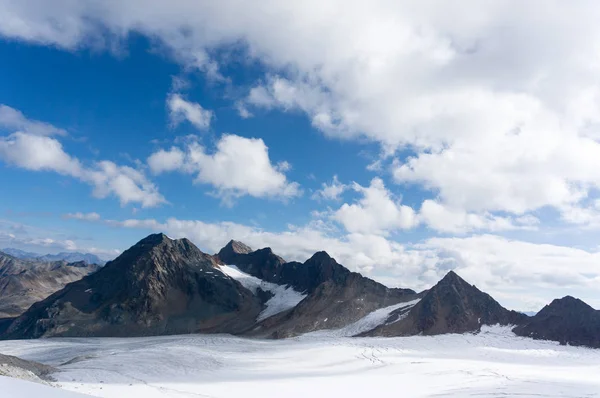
(158, 286)
(567, 320)
(451, 306)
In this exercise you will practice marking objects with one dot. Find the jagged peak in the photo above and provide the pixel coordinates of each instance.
(237, 247)
(567, 303)
(154, 239)
(320, 257)
(452, 278)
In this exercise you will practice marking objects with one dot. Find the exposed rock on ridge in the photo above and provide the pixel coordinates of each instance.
(451, 306)
(567, 320)
(158, 286)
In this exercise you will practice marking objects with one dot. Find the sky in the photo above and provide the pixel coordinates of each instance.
(405, 139)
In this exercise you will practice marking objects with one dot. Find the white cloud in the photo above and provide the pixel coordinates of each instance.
(82, 216)
(13, 119)
(500, 104)
(239, 166)
(180, 110)
(331, 191)
(444, 219)
(377, 212)
(523, 274)
(126, 183)
(243, 110)
(39, 153)
(164, 161)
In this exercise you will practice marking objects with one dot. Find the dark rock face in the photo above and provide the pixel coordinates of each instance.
(266, 265)
(451, 306)
(263, 263)
(567, 320)
(158, 286)
(24, 282)
(336, 297)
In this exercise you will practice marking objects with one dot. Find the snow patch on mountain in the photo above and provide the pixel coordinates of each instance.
(284, 297)
(369, 322)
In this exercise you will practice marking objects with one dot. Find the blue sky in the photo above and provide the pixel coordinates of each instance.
(402, 140)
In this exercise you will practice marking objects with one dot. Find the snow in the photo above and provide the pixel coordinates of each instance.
(493, 363)
(15, 388)
(284, 297)
(369, 322)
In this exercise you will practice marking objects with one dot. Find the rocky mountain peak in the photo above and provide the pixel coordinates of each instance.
(452, 306)
(158, 286)
(567, 320)
(566, 304)
(321, 257)
(234, 248)
(154, 239)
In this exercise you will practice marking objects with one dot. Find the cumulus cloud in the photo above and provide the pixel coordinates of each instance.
(13, 119)
(498, 106)
(376, 212)
(445, 219)
(40, 153)
(238, 166)
(181, 110)
(331, 191)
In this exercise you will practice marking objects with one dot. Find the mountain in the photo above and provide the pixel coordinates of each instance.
(266, 265)
(73, 257)
(567, 320)
(22, 254)
(158, 286)
(263, 263)
(24, 282)
(70, 257)
(451, 306)
(335, 297)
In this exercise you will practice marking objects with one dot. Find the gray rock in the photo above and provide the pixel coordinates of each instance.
(451, 306)
(24, 282)
(158, 286)
(567, 320)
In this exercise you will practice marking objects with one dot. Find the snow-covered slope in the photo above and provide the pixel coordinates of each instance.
(369, 322)
(284, 297)
(15, 388)
(493, 363)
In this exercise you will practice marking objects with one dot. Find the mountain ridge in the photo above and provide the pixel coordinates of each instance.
(169, 286)
(70, 257)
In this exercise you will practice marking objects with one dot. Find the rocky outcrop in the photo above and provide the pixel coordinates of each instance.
(27, 370)
(24, 282)
(158, 286)
(567, 320)
(263, 263)
(337, 297)
(451, 306)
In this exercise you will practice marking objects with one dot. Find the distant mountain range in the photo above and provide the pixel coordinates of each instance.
(163, 286)
(25, 281)
(70, 257)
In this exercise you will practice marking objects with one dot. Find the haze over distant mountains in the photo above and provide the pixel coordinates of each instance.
(70, 257)
(168, 286)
